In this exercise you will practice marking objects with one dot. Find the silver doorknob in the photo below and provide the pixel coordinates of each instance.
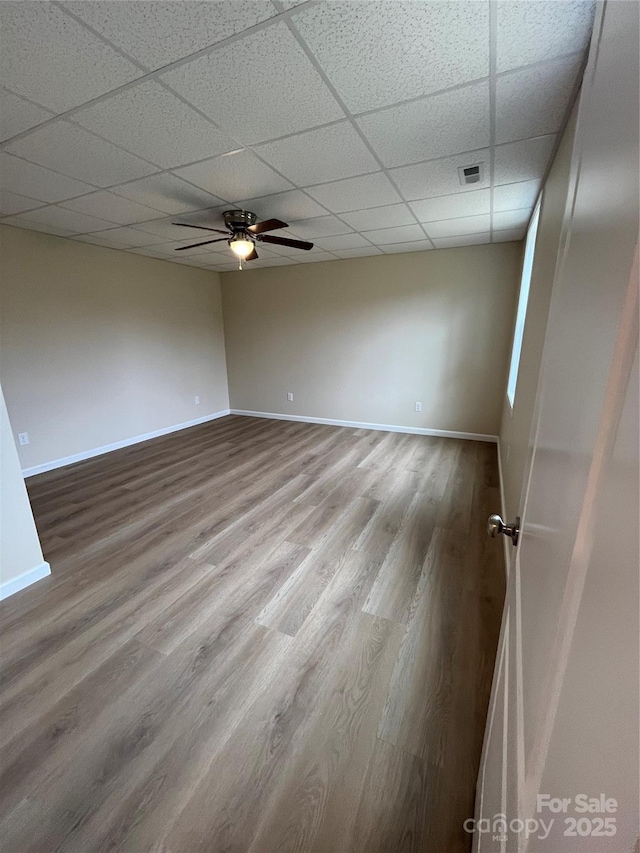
(496, 526)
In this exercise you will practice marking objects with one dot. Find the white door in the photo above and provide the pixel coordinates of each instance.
(560, 764)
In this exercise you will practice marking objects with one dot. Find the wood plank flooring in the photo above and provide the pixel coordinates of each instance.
(257, 637)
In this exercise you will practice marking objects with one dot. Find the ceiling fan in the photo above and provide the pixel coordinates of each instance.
(243, 231)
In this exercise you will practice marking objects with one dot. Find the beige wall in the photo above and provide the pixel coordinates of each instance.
(100, 346)
(516, 424)
(19, 544)
(364, 339)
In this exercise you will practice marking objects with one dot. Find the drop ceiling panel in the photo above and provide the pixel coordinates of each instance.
(451, 206)
(315, 257)
(113, 208)
(129, 237)
(239, 110)
(534, 101)
(405, 234)
(33, 181)
(237, 175)
(342, 241)
(431, 127)
(167, 193)
(509, 234)
(274, 90)
(356, 193)
(416, 47)
(466, 240)
(17, 115)
(358, 253)
(73, 151)
(379, 217)
(327, 154)
(511, 219)
(514, 196)
(51, 59)
(287, 206)
(440, 177)
(70, 220)
(531, 32)
(157, 33)
(153, 123)
(309, 229)
(98, 240)
(458, 227)
(12, 203)
(412, 246)
(523, 161)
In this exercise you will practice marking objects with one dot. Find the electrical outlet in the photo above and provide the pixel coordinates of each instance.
(23, 438)
(197, 400)
(290, 396)
(418, 407)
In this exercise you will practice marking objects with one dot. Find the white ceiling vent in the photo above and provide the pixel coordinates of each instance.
(471, 174)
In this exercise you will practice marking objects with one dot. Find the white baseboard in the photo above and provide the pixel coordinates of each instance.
(24, 580)
(503, 513)
(107, 448)
(443, 433)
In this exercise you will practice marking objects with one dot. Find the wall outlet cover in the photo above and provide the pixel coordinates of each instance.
(23, 438)
(418, 407)
(197, 400)
(290, 396)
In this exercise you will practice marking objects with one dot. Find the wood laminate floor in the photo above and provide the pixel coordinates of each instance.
(258, 637)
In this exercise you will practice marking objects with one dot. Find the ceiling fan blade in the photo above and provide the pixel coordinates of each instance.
(284, 241)
(252, 257)
(267, 225)
(206, 243)
(201, 227)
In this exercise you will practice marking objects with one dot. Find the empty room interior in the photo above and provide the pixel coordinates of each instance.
(319, 450)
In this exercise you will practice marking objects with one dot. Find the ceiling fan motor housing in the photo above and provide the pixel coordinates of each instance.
(239, 220)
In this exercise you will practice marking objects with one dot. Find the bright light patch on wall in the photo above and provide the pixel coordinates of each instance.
(523, 301)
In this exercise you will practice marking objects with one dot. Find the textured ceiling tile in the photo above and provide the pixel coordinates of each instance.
(269, 262)
(356, 193)
(129, 237)
(509, 234)
(343, 241)
(358, 253)
(288, 206)
(113, 208)
(274, 88)
(379, 217)
(451, 206)
(323, 226)
(464, 240)
(514, 196)
(530, 32)
(379, 53)
(523, 161)
(71, 150)
(433, 127)
(534, 101)
(50, 58)
(511, 219)
(33, 181)
(167, 193)
(235, 176)
(157, 33)
(12, 203)
(165, 228)
(327, 154)
(406, 234)
(411, 246)
(18, 222)
(440, 177)
(17, 115)
(458, 227)
(70, 220)
(98, 240)
(313, 257)
(150, 252)
(154, 124)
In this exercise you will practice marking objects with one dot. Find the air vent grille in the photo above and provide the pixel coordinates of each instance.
(473, 174)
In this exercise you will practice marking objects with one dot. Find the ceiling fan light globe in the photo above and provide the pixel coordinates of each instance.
(242, 248)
